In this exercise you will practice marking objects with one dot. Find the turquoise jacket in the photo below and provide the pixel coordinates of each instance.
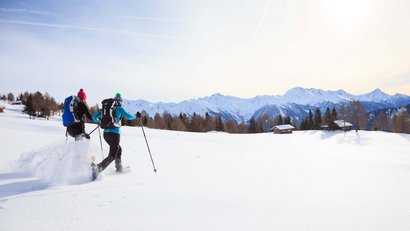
(118, 113)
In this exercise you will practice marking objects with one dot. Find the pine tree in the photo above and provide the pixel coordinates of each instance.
(196, 124)
(231, 126)
(159, 122)
(287, 120)
(334, 115)
(242, 128)
(185, 120)
(46, 106)
(29, 108)
(10, 97)
(318, 119)
(209, 124)
(327, 117)
(279, 120)
(218, 124)
(304, 124)
(144, 120)
(178, 124)
(310, 123)
(168, 120)
(252, 126)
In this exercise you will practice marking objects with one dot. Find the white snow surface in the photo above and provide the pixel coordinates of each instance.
(311, 180)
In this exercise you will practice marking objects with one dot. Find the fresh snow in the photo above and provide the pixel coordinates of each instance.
(311, 180)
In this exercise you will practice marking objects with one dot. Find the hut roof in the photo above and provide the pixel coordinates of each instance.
(284, 127)
(342, 123)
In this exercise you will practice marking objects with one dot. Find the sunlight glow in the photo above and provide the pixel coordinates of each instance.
(346, 13)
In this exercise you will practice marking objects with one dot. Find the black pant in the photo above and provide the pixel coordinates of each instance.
(113, 139)
(76, 129)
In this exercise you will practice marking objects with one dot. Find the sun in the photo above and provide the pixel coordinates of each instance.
(346, 13)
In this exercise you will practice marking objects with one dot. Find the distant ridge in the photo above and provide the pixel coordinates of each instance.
(296, 102)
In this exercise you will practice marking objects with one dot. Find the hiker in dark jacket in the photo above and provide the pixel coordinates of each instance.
(77, 130)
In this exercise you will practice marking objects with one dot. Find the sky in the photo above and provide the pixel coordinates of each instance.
(172, 50)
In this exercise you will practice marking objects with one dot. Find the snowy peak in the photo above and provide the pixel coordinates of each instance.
(303, 95)
(218, 99)
(314, 96)
(375, 96)
(344, 95)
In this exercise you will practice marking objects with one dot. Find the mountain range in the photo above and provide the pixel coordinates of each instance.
(295, 103)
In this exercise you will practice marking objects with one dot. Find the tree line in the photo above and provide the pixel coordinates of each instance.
(399, 121)
(355, 113)
(207, 123)
(38, 104)
(9, 97)
(184, 122)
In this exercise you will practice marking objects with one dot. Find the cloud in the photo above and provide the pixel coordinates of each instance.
(85, 28)
(262, 19)
(20, 10)
(162, 19)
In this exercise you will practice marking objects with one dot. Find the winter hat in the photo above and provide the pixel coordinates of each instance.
(81, 94)
(118, 97)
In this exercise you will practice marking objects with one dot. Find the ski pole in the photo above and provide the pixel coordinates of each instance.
(66, 137)
(65, 145)
(102, 152)
(93, 130)
(149, 151)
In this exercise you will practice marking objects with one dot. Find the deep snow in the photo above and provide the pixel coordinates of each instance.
(215, 181)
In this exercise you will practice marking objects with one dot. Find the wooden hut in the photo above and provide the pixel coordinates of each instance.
(337, 125)
(283, 129)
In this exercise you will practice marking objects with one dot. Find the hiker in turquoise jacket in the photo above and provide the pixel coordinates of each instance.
(112, 135)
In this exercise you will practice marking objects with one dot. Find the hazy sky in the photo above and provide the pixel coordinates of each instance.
(166, 50)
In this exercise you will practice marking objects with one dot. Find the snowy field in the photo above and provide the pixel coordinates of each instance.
(215, 181)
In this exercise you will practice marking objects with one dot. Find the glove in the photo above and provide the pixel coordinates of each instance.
(138, 114)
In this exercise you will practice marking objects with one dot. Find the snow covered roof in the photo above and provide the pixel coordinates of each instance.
(342, 123)
(284, 126)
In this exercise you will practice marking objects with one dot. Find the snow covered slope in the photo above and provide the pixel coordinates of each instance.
(289, 104)
(214, 181)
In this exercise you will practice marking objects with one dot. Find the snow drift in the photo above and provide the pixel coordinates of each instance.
(63, 164)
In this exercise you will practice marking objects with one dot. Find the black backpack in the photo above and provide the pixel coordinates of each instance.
(108, 118)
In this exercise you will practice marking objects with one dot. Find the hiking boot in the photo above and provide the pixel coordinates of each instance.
(96, 169)
(118, 165)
